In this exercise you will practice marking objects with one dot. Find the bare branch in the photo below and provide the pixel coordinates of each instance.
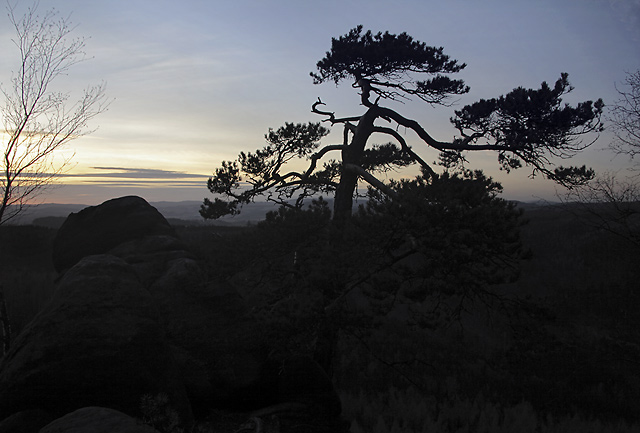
(332, 117)
(38, 122)
(624, 116)
(608, 203)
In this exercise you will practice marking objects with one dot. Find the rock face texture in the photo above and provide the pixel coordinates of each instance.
(134, 315)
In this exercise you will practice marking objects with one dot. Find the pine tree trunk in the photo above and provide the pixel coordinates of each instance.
(343, 203)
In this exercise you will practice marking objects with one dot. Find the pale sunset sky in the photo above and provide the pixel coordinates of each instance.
(194, 82)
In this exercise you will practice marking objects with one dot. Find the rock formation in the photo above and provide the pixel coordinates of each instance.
(98, 229)
(133, 315)
(98, 343)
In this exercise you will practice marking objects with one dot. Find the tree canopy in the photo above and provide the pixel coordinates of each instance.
(386, 62)
(526, 127)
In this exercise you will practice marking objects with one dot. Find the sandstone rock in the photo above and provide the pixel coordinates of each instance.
(98, 229)
(97, 343)
(151, 256)
(217, 346)
(97, 420)
(143, 318)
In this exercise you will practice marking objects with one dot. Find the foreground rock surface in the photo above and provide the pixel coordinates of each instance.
(97, 420)
(133, 315)
(98, 342)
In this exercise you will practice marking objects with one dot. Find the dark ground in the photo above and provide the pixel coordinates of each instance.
(564, 349)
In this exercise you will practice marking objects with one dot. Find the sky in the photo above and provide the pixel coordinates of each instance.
(194, 82)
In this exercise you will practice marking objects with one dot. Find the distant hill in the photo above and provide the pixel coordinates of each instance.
(47, 212)
(178, 213)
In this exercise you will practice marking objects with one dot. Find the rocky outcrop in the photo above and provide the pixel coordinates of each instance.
(133, 315)
(98, 229)
(98, 343)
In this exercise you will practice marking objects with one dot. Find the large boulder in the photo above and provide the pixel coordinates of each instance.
(134, 314)
(97, 420)
(98, 229)
(98, 343)
(151, 256)
(216, 344)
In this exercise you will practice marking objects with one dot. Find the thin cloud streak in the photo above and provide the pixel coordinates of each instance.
(120, 177)
(142, 184)
(136, 173)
